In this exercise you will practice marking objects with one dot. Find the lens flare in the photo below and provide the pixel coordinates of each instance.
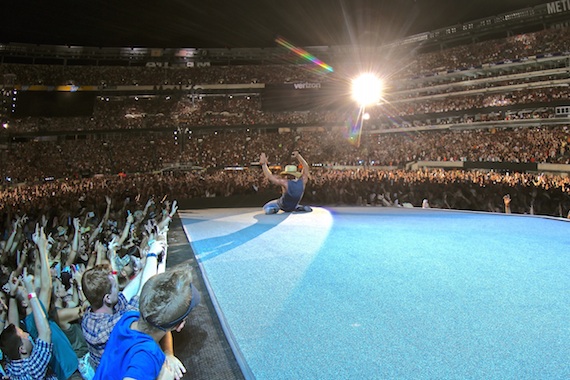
(354, 126)
(303, 53)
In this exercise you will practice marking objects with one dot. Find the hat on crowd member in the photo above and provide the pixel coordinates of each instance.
(291, 170)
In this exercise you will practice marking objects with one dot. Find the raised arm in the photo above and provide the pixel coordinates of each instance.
(107, 210)
(304, 164)
(100, 252)
(507, 201)
(78, 298)
(270, 176)
(12, 237)
(21, 262)
(168, 218)
(13, 285)
(126, 230)
(74, 244)
(149, 203)
(96, 233)
(44, 331)
(45, 276)
(134, 287)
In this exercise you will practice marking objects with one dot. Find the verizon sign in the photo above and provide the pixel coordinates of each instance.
(306, 85)
(304, 96)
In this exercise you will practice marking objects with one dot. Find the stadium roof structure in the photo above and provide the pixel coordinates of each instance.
(240, 24)
(522, 20)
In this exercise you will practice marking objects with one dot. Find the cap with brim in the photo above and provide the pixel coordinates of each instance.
(291, 170)
(195, 301)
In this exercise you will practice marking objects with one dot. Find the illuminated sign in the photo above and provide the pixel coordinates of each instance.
(558, 6)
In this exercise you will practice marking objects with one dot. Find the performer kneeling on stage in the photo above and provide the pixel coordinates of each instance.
(292, 185)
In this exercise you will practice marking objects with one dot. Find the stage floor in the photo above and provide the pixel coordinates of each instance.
(365, 292)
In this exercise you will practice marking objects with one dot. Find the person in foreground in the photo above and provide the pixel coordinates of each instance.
(108, 304)
(133, 350)
(26, 358)
(292, 185)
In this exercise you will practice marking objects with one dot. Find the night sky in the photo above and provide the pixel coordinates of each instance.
(234, 23)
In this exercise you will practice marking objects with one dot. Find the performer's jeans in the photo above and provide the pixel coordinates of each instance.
(271, 207)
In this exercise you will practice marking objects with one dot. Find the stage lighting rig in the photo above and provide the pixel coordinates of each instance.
(367, 89)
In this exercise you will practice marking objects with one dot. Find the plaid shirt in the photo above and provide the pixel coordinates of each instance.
(33, 367)
(97, 327)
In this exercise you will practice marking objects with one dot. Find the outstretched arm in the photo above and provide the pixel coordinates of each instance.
(270, 176)
(41, 241)
(40, 318)
(507, 201)
(107, 210)
(304, 164)
(168, 218)
(12, 238)
(126, 230)
(13, 284)
(96, 233)
(75, 243)
(134, 287)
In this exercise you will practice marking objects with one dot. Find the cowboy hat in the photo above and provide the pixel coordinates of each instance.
(291, 170)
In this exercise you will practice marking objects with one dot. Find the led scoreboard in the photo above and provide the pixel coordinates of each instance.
(53, 103)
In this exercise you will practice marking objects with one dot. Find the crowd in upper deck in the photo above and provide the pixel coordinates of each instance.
(401, 64)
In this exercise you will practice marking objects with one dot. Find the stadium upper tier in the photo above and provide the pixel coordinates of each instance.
(524, 75)
(470, 60)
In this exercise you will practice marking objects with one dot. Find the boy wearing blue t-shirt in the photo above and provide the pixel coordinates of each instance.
(133, 350)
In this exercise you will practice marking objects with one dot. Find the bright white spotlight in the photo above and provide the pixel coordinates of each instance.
(367, 89)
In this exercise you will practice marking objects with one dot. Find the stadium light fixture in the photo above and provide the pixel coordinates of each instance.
(367, 89)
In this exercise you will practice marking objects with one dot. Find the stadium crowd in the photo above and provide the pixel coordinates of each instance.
(56, 241)
(167, 113)
(72, 201)
(150, 152)
(398, 61)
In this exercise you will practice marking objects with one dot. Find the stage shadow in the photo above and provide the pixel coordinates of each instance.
(207, 249)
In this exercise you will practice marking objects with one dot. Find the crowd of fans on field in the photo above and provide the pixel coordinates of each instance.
(49, 241)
